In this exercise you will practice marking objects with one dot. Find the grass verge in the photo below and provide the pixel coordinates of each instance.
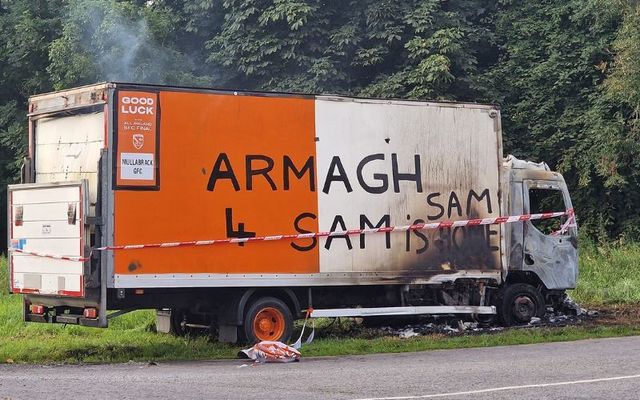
(608, 275)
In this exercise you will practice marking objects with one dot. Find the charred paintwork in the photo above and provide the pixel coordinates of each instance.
(134, 265)
(553, 259)
(67, 100)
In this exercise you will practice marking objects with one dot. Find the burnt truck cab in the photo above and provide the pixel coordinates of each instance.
(541, 253)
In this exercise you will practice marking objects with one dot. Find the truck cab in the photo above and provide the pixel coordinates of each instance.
(541, 253)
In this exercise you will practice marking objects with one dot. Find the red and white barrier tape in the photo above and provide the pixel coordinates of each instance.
(52, 256)
(403, 228)
(571, 222)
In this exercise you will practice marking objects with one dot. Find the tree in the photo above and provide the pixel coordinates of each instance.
(548, 81)
(565, 73)
(26, 30)
(108, 40)
(614, 122)
(392, 48)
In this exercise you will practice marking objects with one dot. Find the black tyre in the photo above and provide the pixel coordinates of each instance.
(178, 319)
(267, 318)
(484, 320)
(519, 303)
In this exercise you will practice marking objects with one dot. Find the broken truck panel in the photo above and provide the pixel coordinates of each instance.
(553, 258)
(171, 164)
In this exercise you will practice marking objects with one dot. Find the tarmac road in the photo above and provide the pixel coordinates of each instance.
(588, 369)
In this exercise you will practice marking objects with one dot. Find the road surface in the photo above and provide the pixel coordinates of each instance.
(588, 369)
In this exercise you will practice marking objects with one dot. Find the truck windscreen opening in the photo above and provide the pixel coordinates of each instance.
(546, 200)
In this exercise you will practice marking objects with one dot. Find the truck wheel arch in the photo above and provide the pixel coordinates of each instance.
(528, 277)
(284, 294)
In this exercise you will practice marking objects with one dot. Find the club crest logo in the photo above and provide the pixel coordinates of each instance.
(138, 141)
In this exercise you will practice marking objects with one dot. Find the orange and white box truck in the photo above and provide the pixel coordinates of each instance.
(241, 210)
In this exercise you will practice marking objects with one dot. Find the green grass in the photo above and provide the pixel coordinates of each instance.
(607, 275)
(129, 337)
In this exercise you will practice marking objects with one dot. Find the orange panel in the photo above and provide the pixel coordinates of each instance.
(215, 175)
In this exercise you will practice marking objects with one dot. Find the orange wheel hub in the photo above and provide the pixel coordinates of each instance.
(269, 324)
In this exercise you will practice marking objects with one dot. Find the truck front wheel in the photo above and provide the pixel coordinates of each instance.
(519, 303)
(268, 318)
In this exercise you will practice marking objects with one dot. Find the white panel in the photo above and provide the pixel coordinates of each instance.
(382, 311)
(43, 211)
(80, 128)
(60, 247)
(51, 194)
(68, 149)
(45, 229)
(137, 166)
(49, 283)
(39, 265)
(458, 149)
(68, 157)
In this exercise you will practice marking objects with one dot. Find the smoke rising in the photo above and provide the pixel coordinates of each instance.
(117, 43)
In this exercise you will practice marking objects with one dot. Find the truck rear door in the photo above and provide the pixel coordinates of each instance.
(48, 235)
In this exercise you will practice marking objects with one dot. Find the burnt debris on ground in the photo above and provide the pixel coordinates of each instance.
(569, 313)
(450, 325)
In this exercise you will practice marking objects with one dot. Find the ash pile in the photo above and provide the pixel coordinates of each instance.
(569, 313)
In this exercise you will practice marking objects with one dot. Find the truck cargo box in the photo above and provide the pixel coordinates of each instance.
(189, 165)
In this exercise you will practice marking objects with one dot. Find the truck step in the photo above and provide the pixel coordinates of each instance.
(410, 310)
(75, 319)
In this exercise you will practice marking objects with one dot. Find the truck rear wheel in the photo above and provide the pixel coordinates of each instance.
(519, 303)
(268, 318)
(178, 322)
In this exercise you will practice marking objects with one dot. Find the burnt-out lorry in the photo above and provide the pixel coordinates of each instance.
(243, 210)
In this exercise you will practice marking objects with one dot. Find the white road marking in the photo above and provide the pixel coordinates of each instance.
(500, 389)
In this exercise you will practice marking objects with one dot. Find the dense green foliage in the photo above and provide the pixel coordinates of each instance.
(565, 72)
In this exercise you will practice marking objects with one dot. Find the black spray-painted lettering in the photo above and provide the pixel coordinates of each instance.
(454, 203)
(252, 171)
(365, 223)
(383, 178)
(341, 177)
(219, 173)
(241, 233)
(338, 220)
(411, 177)
(454, 206)
(296, 224)
(430, 201)
(423, 239)
(289, 166)
(473, 195)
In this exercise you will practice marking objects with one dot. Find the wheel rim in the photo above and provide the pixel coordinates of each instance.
(524, 308)
(269, 324)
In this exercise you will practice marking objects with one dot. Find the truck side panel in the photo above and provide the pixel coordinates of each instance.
(407, 163)
(241, 166)
(214, 151)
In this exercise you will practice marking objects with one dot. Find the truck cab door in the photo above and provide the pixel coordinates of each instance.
(551, 245)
